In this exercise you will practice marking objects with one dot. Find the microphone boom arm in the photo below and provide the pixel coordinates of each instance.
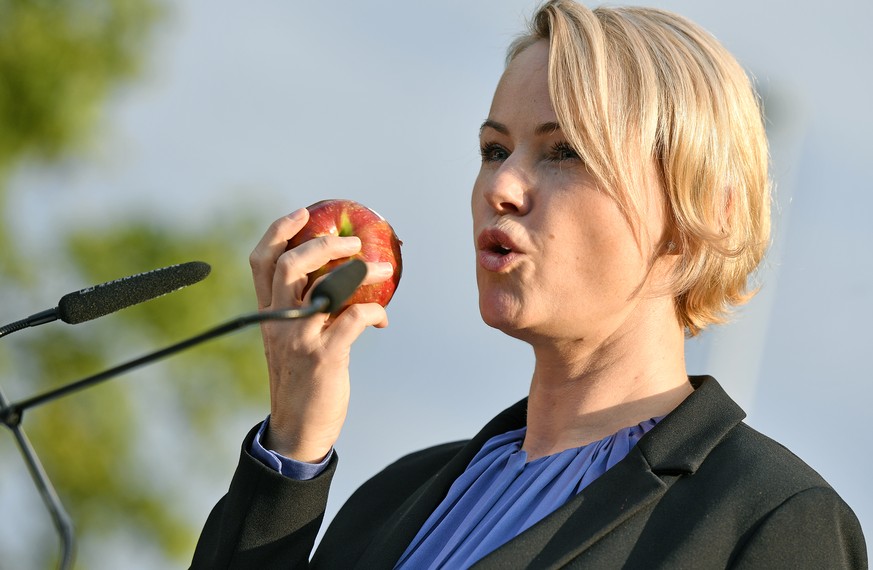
(11, 414)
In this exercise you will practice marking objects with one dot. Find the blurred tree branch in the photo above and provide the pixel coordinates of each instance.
(59, 62)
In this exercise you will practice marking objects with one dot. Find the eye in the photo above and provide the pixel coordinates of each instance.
(493, 152)
(562, 151)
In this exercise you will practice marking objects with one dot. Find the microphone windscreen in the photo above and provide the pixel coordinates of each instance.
(100, 300)
(338, 285)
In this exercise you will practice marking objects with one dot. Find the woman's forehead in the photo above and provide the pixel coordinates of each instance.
(522, 94)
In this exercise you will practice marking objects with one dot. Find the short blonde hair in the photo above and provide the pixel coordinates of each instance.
(636, 86)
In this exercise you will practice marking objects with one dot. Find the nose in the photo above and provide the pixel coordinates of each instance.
(506, 190)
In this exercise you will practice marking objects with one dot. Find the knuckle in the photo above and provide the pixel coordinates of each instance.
(356, 312)
(319, 246)
(278, 226)
(256, 259)
(288, 259)
(324, 242)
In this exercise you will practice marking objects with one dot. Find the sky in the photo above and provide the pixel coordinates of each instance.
(276, 105)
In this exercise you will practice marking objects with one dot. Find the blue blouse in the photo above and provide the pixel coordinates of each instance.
(501, 495)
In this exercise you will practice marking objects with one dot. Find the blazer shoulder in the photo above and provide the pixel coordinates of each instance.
(428, 459)
(748, 494)
(758, 456)
(814, 528)
(376, 501)
(403, 477)
(395, 482)
(748, 475)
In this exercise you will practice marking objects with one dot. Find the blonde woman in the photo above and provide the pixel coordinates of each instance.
(622, 204)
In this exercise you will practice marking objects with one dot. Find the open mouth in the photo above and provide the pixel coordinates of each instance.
(497, 252)
(495, 241)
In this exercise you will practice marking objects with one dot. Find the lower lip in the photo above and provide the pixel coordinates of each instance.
(492, 261)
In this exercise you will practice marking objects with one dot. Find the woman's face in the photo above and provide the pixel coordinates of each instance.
(555, 257)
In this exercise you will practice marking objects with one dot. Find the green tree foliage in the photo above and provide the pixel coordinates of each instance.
(118, 453)
(58, 62)
(59, 59)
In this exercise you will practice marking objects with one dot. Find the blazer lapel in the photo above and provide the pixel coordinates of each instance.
(675, 447)
(397, 533)
(683, 440)
(616, 495)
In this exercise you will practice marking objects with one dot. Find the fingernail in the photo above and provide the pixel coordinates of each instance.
(352, 243)
(384, 269)
(297, 214)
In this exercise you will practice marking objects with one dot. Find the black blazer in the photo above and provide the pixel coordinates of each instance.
(700, 490)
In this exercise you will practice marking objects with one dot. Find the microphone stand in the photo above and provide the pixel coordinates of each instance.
(60, 518)
(11, 413)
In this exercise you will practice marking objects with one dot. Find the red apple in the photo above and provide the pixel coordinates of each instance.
(378, 243)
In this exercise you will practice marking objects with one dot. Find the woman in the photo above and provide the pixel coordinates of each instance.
(622, 202)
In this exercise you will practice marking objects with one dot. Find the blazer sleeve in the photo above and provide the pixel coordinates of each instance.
(265, 520)
(812, 529)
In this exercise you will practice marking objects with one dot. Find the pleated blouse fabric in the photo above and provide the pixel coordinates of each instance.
(501, 494)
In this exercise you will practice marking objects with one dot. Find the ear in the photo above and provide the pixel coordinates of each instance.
(671, 241)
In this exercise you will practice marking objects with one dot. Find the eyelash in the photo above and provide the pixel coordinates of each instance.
(559, 148)
(487, 150)
(557, 153)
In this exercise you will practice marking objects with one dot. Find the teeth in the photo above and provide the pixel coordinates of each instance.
(503, 250)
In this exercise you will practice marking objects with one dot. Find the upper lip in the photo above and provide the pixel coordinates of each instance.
(496, 240)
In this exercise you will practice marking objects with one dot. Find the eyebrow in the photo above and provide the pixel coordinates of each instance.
(543, 129)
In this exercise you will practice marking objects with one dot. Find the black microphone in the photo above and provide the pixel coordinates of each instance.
(94, 302)
(327, 297)
(339, 285)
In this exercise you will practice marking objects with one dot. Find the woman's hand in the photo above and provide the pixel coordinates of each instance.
(307, 359)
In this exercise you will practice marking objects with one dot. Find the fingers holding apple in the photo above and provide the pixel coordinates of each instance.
(379, 244)
(351, 322)
(294, 272)
(378, 272)
(308, 359)
(272, 245)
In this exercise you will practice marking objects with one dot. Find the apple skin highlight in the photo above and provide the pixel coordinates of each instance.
(341, 217)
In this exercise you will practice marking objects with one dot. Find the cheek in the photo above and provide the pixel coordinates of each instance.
(481, 212)
(604, 253)
(476, 196)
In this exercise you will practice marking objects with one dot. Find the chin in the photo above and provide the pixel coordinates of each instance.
(506, 309)
(502, 314)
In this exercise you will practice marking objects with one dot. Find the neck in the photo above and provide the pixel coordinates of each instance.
(582, 392)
